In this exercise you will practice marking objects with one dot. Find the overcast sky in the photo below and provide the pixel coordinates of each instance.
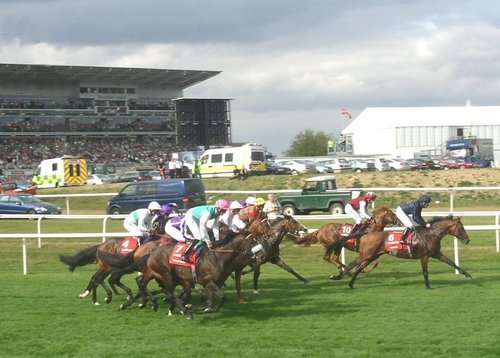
(289, 65)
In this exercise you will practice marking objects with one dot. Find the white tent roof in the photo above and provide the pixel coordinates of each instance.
(394, 117)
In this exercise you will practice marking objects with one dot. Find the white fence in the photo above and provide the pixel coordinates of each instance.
(105, 234)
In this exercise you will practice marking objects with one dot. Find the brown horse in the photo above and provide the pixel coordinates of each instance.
(271, 240)
(137, 261)
(425, 243)
(92, 255)
(334, 237)
(212, 269)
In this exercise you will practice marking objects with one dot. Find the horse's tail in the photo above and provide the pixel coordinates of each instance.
(308, 239)
(133, 267)
(82, 258)
(117, 260)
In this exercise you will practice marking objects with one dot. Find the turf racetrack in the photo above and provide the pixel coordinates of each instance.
(389, 313)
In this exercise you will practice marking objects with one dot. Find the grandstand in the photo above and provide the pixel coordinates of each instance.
(107, 114)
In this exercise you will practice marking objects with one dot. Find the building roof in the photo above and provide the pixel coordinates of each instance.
(394, 117)
(132, 76)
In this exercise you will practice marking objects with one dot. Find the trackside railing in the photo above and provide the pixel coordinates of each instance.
(105, 234)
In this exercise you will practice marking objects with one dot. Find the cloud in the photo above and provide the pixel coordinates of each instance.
(289, 65)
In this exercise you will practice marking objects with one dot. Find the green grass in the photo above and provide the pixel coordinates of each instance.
(389, 313)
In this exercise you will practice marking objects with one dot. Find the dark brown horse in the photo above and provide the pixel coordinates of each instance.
(92, 255)
(425, 243)
(137, 261)
(212, 269)
(334, 237)
(271, 240)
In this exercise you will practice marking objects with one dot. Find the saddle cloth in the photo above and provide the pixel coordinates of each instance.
(128, 245)
(393, 243)
(345, 230)
(176, 257)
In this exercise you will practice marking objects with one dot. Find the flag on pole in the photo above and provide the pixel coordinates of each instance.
(345, 112)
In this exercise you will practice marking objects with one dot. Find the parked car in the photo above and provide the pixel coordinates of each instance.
(318, 194)
(112, 177)
(155, 174)
(97, 179)
(361, 165)
(336, 165)
(297, 166)
(380, 164)
(17, 187)
(395, 164)
(275, 169)
(26, 204)
(455, 164)
(132, 176)
(418, 164)
(182, 194)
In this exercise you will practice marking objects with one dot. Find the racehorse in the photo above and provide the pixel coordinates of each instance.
(93, 255)
(335, 236)
(212, 269)
(424, 243)
(286, 226)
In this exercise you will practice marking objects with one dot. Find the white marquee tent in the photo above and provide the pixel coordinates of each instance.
(404, 132)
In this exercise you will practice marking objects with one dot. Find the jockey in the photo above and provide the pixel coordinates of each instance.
(138, 223)
(413, 208)
(358, 208)
(159, 221)
(230, 217)
(195, 224)
(251, 211)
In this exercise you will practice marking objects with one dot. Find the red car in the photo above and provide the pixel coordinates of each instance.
(456, 164)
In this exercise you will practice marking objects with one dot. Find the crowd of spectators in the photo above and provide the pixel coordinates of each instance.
(26, 153)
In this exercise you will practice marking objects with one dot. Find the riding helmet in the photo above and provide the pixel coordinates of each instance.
(425, 199)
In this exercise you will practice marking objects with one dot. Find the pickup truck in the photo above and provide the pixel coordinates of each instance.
(11, 187)
(318, 194)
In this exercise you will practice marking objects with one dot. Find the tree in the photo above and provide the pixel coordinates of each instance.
(308, 143)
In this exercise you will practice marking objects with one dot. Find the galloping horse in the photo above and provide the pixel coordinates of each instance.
(212, 269)
(425, 243)
(92, 255)
(334, 236)
(271, 240)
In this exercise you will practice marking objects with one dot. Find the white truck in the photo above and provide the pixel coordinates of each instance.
(62, 171)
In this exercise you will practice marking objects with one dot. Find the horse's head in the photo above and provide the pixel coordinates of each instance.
(292, 227)
(385, 216)
(452, 226)
(458, 230)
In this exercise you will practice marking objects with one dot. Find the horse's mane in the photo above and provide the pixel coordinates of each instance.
(440, 218)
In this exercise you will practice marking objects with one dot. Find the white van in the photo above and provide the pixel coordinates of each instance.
(380, 164)
(221, 162)
(63, 171)
(337, 165)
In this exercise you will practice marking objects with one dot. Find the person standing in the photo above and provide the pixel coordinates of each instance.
(357, 209)
(162, 169)
(197, 169)
(413, 208)
(272, 208)
(139, 222)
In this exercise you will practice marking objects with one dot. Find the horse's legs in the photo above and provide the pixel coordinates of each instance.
(214, 289)
(166, 282)
(446, 260)
(424, 260)
(359, 269)
(256, 274)
(347, 269)
(332, 256)
(278, 261)
(115, 279)
(237, 280)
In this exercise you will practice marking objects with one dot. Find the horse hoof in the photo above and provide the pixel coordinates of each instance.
(96, 304)
(333, 277)
(123, 306)
(307, 282)
(189, 317)
(256, 292)
(141, 306)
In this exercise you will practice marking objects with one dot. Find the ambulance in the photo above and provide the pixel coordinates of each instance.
(63, 171)
(221, 162)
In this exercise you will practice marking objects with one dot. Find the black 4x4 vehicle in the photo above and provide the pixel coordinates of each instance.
(318, 194)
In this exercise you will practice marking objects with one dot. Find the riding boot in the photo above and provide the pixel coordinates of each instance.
(405, 236)
(185, 256)
(355, 229)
